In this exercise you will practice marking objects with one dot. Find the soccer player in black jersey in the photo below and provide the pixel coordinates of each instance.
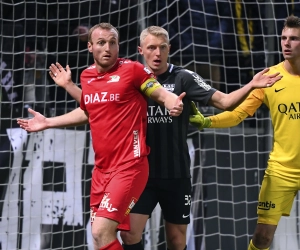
(169, 181)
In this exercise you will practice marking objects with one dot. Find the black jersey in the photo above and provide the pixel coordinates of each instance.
(167, 135)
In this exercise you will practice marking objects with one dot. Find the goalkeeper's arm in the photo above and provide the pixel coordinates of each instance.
(228, 119)
(223, 120)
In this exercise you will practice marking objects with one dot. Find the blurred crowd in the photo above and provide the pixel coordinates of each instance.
(223, 41)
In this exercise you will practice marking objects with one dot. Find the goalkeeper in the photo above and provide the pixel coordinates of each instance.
(281, 180)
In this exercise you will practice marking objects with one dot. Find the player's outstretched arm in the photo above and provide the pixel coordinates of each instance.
(225, 119)
(171, 101)
(40, 122)
(62, 77)
(230, 101)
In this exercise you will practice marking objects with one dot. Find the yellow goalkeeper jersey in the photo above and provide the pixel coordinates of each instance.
(283, 101)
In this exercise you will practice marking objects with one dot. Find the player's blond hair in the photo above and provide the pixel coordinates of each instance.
(155, 31)
(104, 26)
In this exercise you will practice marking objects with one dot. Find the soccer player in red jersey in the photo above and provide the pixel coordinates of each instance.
(114, 103)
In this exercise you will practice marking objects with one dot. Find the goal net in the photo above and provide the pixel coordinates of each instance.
(45, 177)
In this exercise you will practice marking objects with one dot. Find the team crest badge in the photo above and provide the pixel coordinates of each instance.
(169, 87)
(114, 78)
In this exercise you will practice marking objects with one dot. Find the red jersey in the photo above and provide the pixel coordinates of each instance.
(117, 111)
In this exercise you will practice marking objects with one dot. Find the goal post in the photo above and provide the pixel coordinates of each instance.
(45, 177)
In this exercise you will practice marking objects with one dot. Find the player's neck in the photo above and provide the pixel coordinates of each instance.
(160, 71)
(292, 67)
(101, 69)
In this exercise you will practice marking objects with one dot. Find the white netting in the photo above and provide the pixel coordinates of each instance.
(226, 42)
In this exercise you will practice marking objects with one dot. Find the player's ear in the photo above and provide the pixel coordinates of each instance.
(140, 50)
(89, 45)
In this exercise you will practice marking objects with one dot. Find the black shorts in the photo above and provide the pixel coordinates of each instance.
(173, 195)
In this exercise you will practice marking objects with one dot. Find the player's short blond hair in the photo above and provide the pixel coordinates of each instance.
(155, 31)
(104, 26)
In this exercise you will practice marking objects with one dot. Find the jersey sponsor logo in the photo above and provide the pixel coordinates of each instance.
(292, 110)
(158, 114)
(106, 205)
(114, 78)
(136, 144)
(185, 216)
(101, 97)
(131, 205)
(169, 87)
(199, 80)
(92, 215)
(265, 205)
(277, 90)
(160, 119)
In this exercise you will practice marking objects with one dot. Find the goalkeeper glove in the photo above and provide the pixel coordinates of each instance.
(197, 119)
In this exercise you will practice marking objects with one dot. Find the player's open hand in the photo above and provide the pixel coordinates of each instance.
(178, 107)
(197, 119)
(261, 80)
(62, 77)
(37, 123)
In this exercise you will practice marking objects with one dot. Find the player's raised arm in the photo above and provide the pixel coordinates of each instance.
(39, 122)
(230, 101)
(62, 77)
